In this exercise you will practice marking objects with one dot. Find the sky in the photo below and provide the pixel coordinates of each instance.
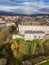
(25, 6)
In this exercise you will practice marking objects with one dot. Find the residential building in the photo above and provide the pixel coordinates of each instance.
(2, 23)
(10, 22)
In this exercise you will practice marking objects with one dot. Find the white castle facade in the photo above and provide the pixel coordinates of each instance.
(31, 32)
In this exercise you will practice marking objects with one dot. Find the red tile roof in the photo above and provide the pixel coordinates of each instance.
(2, 22)
(10, 21)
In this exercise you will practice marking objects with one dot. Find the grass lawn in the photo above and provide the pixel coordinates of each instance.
(46, 63)
(20, 40)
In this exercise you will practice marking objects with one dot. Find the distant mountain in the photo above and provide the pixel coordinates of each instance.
(6, 13)
(13, 13)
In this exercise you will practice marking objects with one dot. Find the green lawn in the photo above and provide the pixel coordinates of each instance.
(20, 40)
(46, 63)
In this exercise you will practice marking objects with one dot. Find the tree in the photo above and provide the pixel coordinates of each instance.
(37, 47)
(6, 33)
(18, 43)
(28, 47)
(12, 29)
(34, 45)
(46, 47)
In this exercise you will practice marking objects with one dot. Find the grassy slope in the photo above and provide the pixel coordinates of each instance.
(46, 63)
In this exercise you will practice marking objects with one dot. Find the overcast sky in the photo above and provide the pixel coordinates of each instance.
(25, 6)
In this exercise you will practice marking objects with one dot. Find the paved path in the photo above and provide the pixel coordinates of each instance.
(42, 62)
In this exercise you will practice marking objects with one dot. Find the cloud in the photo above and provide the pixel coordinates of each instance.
(25, 7)
(7, 2)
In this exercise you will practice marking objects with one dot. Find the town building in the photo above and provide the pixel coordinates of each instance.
(16, 36)
(31, 35)
(10, 22)
(31, 32)
(2, 23)
(23, 28)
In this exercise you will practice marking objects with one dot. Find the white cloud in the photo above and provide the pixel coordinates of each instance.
(9, 2)
(25, 7)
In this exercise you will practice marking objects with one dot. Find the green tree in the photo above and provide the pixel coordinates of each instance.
(6, 33)
(46, 47)
(18, 43)
(37, 46)
(28, 47)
